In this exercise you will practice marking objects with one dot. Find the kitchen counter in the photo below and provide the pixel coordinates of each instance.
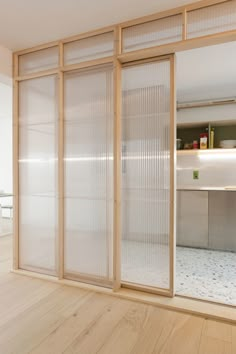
(206, 218)
(196, 188)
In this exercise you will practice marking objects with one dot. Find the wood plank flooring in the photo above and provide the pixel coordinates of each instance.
(40, 317)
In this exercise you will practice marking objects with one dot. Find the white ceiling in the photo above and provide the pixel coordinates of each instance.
(26, 23)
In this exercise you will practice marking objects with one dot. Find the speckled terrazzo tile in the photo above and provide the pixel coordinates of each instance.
(204, 274)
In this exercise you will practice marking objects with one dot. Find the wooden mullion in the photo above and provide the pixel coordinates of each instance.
(15, 165)
(184, 25)
(117, 167)
(61, 171)
(172, 213)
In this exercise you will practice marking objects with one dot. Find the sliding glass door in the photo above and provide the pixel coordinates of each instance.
(89, 175)
(146, 169)
(148, 175)
(38, 206)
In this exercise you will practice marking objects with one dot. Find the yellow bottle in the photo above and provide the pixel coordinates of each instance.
(212, 139)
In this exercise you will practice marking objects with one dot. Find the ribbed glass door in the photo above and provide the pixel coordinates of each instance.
(89, 175)
(38, 125)
(148, 175)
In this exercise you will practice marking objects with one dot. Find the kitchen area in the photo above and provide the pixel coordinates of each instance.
(206, 174)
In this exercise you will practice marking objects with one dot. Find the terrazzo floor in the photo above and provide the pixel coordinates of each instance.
(206, 274)
(203, 274)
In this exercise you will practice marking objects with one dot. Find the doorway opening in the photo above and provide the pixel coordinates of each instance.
(206, 174)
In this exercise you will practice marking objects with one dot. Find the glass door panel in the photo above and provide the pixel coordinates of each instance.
(147, 175)
(89, 175)
(38, 206)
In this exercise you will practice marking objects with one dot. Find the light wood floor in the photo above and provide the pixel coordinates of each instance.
(37, 316)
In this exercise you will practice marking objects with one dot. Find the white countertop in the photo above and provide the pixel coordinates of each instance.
(196, 188)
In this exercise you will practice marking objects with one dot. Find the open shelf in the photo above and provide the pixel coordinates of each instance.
(222, 131)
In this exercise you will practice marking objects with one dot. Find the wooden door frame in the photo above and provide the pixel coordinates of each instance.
(119, 56)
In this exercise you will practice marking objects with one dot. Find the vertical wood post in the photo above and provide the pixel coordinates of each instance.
(15, 164)
(61, 167)
(117, 164)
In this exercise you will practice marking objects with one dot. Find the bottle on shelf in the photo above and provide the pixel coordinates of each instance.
(195, 144)
(203, 141)
(212, 135)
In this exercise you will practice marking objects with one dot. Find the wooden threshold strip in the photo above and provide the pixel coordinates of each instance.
(195, 307)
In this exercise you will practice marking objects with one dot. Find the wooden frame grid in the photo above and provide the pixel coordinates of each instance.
(184, 25)
(118, 59)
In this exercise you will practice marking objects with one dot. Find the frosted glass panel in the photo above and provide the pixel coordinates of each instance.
(150, 34)
(95, 47)
(38, 175)
(89, 174)
(212, 19)
(38, 103)
(38, 61)
(38, 232)
(146, 174)
(38, 159)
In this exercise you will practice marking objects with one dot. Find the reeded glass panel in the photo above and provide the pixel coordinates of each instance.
(31, 95)
(89, 174)
(146, 174)
(39, 61)
(38, 174)
(90, 48)
(213, 19)
(153, 33)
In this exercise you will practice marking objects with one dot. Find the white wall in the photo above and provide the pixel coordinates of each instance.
(207, 114)
(207, 73)
(217, 169)
(5, 120)
(5, 65)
